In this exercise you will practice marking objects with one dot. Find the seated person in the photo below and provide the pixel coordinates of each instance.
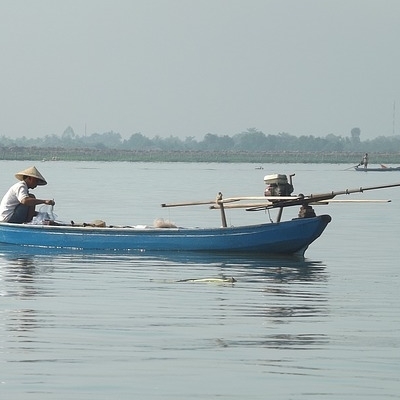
(18, 205)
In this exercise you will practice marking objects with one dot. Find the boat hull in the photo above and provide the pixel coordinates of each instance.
(388, 169)
(288, 237)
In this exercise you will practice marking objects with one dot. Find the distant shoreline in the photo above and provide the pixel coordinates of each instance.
(262, 157)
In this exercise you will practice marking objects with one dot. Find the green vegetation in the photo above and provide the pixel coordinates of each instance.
(251, 146)
(258, 157)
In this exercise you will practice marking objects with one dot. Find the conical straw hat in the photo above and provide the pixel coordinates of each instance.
(32, 171)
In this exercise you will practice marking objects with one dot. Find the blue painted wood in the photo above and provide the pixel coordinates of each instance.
(288, 237)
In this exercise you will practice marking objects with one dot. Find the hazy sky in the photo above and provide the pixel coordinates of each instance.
(192, 67)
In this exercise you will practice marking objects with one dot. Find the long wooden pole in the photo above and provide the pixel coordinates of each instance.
(191, 203)
(355, 166)
(358, 190)
(284, 201)
(199, 203)
(312, 198)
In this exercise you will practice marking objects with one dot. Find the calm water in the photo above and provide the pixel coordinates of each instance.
(122, 326)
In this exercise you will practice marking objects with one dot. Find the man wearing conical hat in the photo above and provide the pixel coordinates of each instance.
(18, 205)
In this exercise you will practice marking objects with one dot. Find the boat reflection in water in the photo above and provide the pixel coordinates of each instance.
(36, 260)
(284, 287)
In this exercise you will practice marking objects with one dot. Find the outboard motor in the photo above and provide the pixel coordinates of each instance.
(278, 185)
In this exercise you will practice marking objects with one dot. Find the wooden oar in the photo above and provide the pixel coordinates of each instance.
(355, 166)
(198, 203)
(191, 203)
(271, 198)
(322, 202)
(240, 205)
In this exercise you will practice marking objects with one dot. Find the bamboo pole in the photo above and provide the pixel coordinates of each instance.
(199, 203)
(191, 203)
(351, 201)
(240, 205)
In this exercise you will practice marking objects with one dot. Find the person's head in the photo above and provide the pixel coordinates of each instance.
(30, 181)
(32, 177)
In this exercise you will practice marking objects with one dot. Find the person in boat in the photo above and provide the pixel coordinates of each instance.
(364, 161)
(18, 204)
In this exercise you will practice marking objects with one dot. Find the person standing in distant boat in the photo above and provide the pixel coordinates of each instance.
(364, 161)
(18, 205)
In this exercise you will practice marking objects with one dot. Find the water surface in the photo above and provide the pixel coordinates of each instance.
(94, 325)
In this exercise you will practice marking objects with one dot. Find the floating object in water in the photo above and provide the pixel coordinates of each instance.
(209, 280)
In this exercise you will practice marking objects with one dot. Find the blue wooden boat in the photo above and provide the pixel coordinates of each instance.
(288, 237)
(377, 169)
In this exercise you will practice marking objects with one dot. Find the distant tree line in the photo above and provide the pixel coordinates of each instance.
(251, 140)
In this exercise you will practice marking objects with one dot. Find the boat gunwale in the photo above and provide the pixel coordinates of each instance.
(143, 228)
